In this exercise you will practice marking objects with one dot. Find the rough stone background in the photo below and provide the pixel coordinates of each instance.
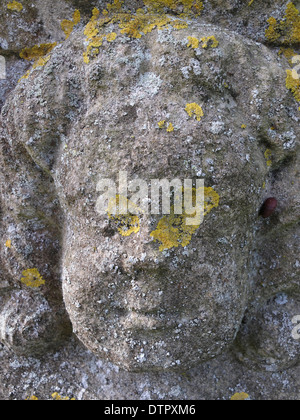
(263, 360)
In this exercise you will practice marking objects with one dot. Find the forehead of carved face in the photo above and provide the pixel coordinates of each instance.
(148, 291)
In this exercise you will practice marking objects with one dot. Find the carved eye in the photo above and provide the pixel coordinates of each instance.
(268, 207)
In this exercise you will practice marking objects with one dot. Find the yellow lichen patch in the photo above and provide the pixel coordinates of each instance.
(116, 6)
(272, 33)
(193, 42)
(15, 6)
(143, 23)
(93, 48)
(288, 53)
(90, 30)
(173, 231)
(8, 243)
(242, 396)
(39, 54)
(86, 57)
(76, 17)
(58, 397)
(194, 109)
(42, 61)
(288, 29)
(243, 126)
(25, 76)
(211, 200)
(170, 128)
(292, 24)
(111, 37)
(32, 278)
(128, 223)
(134, 25)
(293, 84)
(190, 7)
(179, 24)
(268, 156)
(210, 42)
(37, 51)
(32, 398)
(68, 25)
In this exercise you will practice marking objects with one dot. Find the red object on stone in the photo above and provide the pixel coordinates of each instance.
(268, 207)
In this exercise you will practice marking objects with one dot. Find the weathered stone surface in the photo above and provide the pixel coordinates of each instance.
(76, 372)
(145, 305)
(265, 338)
(28, 326)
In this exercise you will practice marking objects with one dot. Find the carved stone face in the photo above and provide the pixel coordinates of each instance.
(162, 296)
(148, 293)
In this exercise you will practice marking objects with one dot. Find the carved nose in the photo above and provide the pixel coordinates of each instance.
(143, 297)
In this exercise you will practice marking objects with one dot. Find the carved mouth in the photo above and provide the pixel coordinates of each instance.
(154, 320)
(136, 320)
